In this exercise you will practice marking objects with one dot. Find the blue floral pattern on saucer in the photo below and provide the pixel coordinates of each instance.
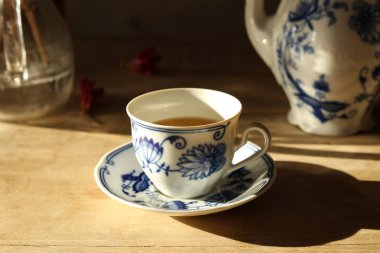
(119, 175)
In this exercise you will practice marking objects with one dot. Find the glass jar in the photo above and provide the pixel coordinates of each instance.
(36, 59)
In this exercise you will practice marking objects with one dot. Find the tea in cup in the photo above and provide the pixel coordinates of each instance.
(185, 138)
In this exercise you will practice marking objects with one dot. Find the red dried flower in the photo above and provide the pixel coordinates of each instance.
(89, 95)
(146, 62)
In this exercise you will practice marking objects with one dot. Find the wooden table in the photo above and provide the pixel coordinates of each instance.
(326, 197)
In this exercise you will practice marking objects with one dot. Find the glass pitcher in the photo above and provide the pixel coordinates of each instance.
(36, 59)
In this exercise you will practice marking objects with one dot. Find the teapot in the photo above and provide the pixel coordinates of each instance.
(326, 56)
(36, 59)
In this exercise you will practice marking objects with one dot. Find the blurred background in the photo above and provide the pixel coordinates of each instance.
(125, 48)
(200, 44)
(193, 35)
(187, 18)
(120, 18)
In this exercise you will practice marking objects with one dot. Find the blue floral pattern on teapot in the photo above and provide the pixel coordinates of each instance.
(325, 54)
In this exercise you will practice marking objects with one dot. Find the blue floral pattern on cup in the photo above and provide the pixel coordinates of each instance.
(197, 163)
(149, 152)
(201, 161)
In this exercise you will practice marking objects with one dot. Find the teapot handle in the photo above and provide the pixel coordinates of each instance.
(259, 28)
(13, 39)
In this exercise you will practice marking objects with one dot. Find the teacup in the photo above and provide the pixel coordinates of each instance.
(185, 138)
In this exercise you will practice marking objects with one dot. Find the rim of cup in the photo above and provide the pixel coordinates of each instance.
(228, 116)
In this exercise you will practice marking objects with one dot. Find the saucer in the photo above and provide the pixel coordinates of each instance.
(119, 175)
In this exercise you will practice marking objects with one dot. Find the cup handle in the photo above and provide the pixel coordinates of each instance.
(267, 138)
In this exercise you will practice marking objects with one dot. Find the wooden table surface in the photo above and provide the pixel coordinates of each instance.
(326, 197)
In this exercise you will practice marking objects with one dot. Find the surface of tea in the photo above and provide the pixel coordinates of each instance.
(186, 121)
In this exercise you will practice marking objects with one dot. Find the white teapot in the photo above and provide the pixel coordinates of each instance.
(326, 56)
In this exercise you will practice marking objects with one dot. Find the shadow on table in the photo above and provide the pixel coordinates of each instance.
(307, 205)
(322, 153)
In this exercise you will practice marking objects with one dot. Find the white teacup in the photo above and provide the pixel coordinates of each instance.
(187, 161)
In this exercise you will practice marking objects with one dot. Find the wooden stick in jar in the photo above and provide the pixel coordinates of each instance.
(35, 31)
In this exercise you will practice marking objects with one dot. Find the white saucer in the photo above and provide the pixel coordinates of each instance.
(119, 176)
